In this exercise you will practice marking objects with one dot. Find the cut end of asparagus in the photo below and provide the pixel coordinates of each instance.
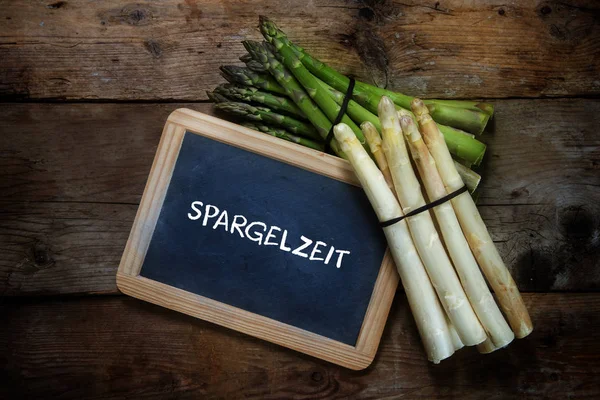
(484, 119)
(469, 177)
(486, 108)
(488, 346)
(471, 120)
(525, 328)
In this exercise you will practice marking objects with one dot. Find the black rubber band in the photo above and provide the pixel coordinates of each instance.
(425, 207)
(338, 119)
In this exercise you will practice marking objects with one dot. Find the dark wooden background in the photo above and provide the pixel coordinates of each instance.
(85, 90)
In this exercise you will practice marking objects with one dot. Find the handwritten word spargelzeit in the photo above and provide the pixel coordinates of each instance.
(264, 235)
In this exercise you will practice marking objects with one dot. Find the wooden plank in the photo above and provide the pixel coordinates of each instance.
(117, 347)
(172, 50)
(90, 153)
(51, 248)
(71, 177)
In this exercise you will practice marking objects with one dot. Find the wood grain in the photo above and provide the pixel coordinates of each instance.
(72, 175)
(172, 49)
(118, 347)
(50, 248)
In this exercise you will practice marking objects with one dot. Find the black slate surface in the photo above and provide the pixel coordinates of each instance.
(223, 266)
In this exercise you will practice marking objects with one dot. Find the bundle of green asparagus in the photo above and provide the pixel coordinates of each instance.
(287, 90)
(441, 274)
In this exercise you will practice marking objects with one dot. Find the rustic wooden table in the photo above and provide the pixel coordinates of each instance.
(86, 88)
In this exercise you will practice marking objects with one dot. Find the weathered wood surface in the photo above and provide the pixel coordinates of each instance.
(118, 347)
(150, 50)
(71, 177)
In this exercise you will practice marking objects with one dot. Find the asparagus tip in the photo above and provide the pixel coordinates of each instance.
(216, 97)
(385, 106)
(269, 30)
(406, 121)
(265, 22)
(245, 58)
(404, 113)
(343, 133)
(367, 125)
(418, 107)
(250, 45)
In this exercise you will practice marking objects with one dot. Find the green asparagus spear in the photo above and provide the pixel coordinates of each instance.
(295, 91)
(459, 143)
(253, 64)
(256, 66)
(285, 135)
(357, 113)
(473, 118)
(462, 145)
(245, 58)
(470, 120)
(245, 76)
(310, 84)
(266, 115)
(468, 104)
(252, 94)
(217, 97)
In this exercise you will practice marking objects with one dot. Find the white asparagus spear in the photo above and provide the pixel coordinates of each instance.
(458, 344)
(423, 232)
(468, 271)
(469, 177)
(422, 299)
(487, 347)
(474, 228)
(374, 142)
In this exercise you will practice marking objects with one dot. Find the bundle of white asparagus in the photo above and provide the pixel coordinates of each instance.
(441, 274)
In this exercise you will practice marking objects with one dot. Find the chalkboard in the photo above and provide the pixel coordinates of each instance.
(221, 264)
(271, 239)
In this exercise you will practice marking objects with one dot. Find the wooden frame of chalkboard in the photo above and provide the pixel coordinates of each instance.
(130, 282)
